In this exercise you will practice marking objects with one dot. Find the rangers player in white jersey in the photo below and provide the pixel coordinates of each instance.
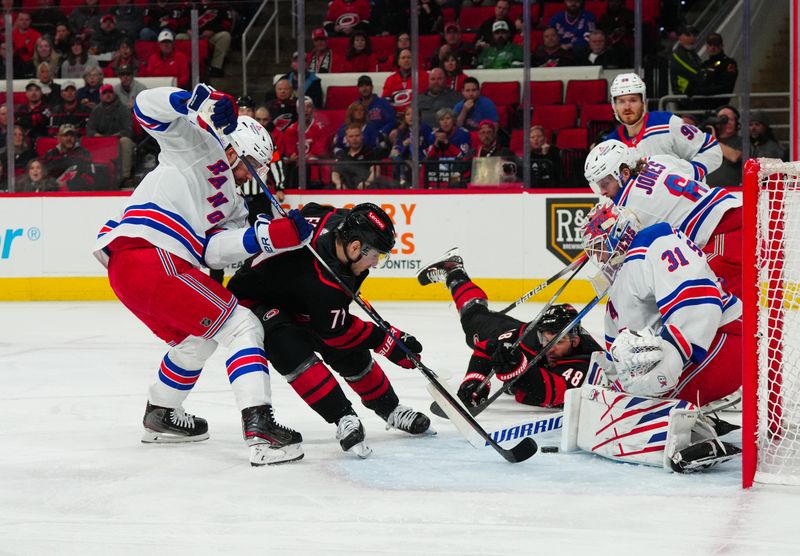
(187, 214)
(659, 132)
(673, 344)
(660, 188)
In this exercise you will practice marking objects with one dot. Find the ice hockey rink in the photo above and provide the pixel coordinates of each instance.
(75, 479)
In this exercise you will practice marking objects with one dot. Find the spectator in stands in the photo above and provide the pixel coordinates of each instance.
(453, 44)
(435, 97)
(89, 94)
(617, 24)
(403, 42)
(474, 108)
(360, 58)
(162, 15)
(112, 118)
(391, 17)
(545, 159)
(62, 40)
(356, 115)
(124, 58)
(34, 115)
(397, 87)
(317, 138)
(3, 124)
(23, 150)
(282, 104)
(549, 54)
(717, 75)
(488, 145)
(215, 23)
(69, 163)
(130, 18)
(401, 149)
(502, 54)
(313, 85)
(168, 62)
(70, 110)
(727, 131)
(51, 91)
(35, 179)
(380, 113)
(456, 135)
(105, 39)
(353, 169)
(246, 105)
(573, 26)
(454, 75)
(347, 16)
(24, 37)
(78, 61)
(85, 20)
(44, 54)
(322, 59)
(608, 57)
(45, 16)
(486, 30)
(128, 87)
(431, 17)
(685, 63)
(264, 117)
(445, 164)
(762, 141)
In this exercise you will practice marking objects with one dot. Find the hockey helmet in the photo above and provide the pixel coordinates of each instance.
(627, 84)
(251, 141)
(369, 224)
(605, 160)
(556, 319)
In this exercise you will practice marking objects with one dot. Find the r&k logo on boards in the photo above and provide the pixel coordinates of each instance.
(565, 219)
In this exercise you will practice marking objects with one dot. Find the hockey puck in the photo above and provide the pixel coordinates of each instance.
(548, 449)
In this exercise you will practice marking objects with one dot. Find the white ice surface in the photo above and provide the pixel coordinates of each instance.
(74, 478)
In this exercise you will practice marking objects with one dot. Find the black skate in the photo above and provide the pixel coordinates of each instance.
(437, 271)
(269, 442)
(406, 419)
(701, 456)
(350, 434)
(168, 425)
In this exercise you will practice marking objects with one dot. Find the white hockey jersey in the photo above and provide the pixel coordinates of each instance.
(189, 204)
(663, 193)
(665, 283)
(665, 133)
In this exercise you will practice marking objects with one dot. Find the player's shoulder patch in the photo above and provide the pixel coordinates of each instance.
(647, 236)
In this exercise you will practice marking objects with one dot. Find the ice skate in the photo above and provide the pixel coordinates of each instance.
(171, 425)
(701, 456)
(350, 434)
(270, 443)
(437, 271)
(406, 419)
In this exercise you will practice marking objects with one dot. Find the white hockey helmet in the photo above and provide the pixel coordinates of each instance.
(605, 160)
(252, 141)
(627, 84)
(606, 237)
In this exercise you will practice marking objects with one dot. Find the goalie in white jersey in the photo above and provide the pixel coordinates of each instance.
(660, 188)
(185, 215)
(659, 132)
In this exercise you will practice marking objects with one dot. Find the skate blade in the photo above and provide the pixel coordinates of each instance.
(361, 450)
(154, 437)
(266, 454)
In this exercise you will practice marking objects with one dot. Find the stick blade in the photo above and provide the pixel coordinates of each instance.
(522, 451)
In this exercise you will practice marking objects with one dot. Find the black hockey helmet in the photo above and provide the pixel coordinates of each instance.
(557, 317)
(369, 224)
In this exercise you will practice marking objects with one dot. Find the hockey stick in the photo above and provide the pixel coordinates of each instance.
(520, 452)
(436, 409)
(575, 265)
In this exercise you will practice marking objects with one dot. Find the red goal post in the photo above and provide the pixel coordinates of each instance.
(771, 296)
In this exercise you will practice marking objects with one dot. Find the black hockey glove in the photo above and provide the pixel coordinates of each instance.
(391, 351)
(469, 391)
(507, 362)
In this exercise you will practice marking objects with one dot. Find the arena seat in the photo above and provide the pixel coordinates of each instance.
(596, 7)
(547, 92)
(651, 9)
(586, 91)
(572, 138)
(19, 98)
(472, 17)
(549, 10)
(502, 93)
(556, 116)
(339, 97)
(104, 151)
(596, 118)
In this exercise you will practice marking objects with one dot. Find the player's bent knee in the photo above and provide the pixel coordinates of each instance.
(241, 326)
(192, 351)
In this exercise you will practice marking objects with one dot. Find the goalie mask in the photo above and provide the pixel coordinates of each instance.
(607, 235)
(251, 141)
(603, 166)
(369, 224)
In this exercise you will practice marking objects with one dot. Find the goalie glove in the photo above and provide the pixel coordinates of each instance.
(282, 234)
(213, 108)
(645, 364)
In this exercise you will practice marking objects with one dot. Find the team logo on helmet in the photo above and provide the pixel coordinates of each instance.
(565, 220)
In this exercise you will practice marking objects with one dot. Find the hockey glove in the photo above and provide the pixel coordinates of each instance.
(282, 234)
(219, 107)
(470, 392)
(507, 362)
(391, 351)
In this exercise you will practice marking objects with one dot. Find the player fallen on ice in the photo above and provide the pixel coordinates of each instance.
(308, 328)
(673, 338)
(491, 335)
(187, 215)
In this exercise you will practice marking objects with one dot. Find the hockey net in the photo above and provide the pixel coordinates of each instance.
(771, 379)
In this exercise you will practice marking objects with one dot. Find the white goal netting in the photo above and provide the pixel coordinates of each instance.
(777, 257)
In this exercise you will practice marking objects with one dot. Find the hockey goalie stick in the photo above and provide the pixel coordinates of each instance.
(459, 414)
(436, 409)
(575, 266)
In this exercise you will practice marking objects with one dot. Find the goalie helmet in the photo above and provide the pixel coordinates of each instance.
(605, 160)
(369, 224)
(556, 318)
(252, 141)
(607, 235)
(627, 84)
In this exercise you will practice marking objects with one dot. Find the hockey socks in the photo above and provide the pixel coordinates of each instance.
(319, 389)
(463, 290)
